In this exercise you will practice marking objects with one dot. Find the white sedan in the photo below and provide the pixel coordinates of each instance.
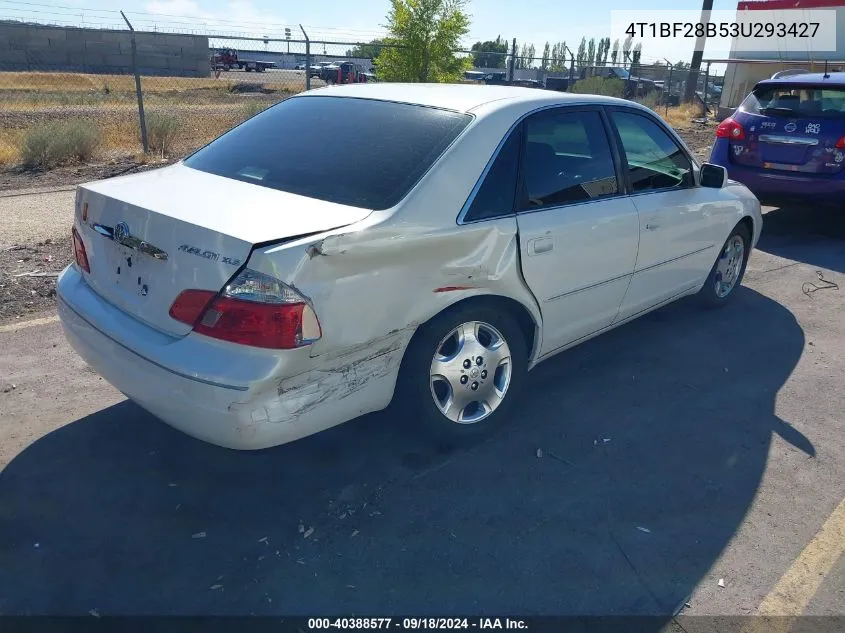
(366, 244)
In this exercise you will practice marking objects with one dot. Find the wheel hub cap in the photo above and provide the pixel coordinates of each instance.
(470, 372)
(729, 265)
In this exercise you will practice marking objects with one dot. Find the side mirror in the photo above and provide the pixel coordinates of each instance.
(713, 176)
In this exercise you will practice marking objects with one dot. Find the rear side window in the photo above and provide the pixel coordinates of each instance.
(796, 100)
(495, 197)
(357, 152)
(567, 159)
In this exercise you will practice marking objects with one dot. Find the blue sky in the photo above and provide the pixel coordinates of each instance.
(535, 21)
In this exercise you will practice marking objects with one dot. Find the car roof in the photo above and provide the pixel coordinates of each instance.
(832, 79)
(458, 97)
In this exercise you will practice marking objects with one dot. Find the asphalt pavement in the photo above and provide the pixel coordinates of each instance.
(644, 467)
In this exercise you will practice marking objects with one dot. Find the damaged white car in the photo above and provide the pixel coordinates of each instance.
(422, 244)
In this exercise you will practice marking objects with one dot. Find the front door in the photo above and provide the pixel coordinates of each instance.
(578, 230)
(677, 245)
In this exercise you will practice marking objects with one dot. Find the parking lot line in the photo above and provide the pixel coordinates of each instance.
(796, 588)
(14, 327)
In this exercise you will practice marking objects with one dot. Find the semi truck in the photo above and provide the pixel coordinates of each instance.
(227, 59)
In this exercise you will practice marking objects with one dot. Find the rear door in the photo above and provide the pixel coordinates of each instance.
(792, 128)
(578, 231)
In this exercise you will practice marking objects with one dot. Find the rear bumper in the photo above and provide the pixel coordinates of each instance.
(774, 186)
(247, 413)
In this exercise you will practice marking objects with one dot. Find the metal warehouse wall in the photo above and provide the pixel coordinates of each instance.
(45, 48)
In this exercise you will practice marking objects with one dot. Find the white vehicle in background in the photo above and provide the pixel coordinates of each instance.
(271, 286)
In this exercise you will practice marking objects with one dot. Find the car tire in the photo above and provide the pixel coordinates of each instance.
(494, 336)
(717, 290)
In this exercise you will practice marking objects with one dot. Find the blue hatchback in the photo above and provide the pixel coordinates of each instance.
(786, 141)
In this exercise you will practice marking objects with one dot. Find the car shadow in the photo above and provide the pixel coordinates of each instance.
(813, 235)
(630, 465)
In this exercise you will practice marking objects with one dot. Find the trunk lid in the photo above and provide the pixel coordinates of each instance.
(149, 236)
(788, 144)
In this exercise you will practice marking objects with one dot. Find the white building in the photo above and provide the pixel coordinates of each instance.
(740, 77)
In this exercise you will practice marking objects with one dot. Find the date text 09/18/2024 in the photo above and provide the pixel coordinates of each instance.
(417, 624)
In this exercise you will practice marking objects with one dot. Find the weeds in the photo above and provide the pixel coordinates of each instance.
(600, 86)
(162, 130)
(680, 116)
(60, 142)
(650, 100)
(9, 152)
(252, 108)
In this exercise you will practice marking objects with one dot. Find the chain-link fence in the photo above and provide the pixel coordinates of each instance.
(80, 91)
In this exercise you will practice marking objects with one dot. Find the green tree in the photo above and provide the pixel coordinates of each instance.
(605, 50)
(614, 56)
(636, 54)
(547, 54)
(626, 49)
(490, 54)
(582, 52)
(559, 57)
(426, 34)
(369, 51)
(526, 56)
(591, 52)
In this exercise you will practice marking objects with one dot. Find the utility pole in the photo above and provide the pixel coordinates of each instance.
(513, 61)
(698, 53)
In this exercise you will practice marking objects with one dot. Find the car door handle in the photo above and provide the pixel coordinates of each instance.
(540, 245)
(651, 226)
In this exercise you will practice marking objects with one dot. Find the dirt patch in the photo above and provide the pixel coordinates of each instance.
(699, 137)
(28, 276)
(15, 178)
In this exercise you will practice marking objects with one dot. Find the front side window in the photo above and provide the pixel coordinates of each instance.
(655, 161)
(358, 152)
(567, 159)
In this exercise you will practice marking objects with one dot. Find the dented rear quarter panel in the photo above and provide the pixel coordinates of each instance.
(373, 283)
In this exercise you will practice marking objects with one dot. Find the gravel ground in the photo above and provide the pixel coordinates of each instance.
(18, 179)
(23, 293)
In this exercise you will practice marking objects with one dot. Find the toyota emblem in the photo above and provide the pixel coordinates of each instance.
(121, 231)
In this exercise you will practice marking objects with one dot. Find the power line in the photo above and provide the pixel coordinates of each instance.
(154, 18)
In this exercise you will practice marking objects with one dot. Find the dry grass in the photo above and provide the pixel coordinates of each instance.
(680, 117)
(10, 142)
(201, 109)
(78, 82)
(28, 91)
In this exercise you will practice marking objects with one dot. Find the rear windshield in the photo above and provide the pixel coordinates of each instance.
(357, 152)
(796, 101)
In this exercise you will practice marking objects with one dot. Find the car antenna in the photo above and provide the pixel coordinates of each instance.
(826, 74)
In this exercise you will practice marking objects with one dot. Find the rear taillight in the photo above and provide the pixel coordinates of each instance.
(840, 144)
(729, 128)
(255, 309)
(79, 251)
